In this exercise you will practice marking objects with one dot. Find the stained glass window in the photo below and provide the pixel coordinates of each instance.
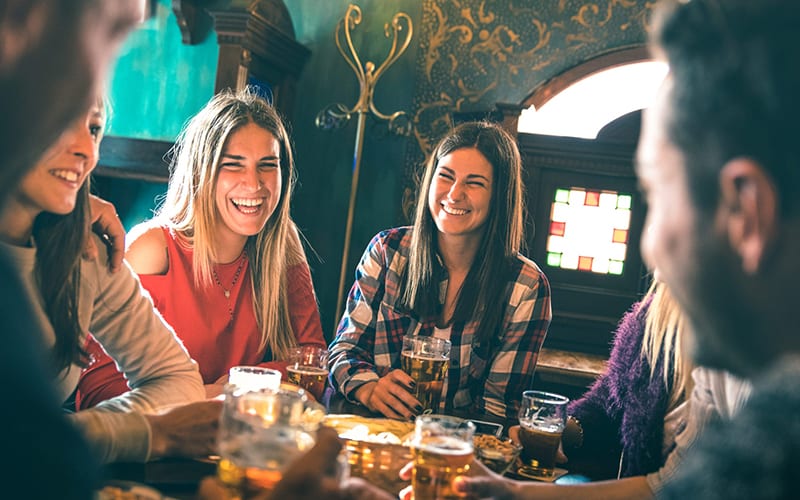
(589, 230)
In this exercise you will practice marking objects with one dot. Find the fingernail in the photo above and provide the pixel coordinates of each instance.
(412, 384)
(418, 408)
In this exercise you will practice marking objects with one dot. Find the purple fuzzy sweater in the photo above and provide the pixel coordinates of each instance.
(624, 409)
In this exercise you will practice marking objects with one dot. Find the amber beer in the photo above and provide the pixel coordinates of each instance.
(241, 480)
(425, 359)
(260, 432)
(539, 448)
(309, 378)
(428, 373)
(542, 418)
(436, 463)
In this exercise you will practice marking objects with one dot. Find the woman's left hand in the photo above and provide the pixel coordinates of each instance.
(107, 225)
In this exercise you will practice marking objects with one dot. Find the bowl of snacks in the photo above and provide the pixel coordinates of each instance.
(377, 447)
(495, 453)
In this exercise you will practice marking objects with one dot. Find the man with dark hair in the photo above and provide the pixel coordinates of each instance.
(719, 162)
(53, 55)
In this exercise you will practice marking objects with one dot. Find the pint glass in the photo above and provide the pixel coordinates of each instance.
(261, 432)
(425, 359)
(308, 368)
(542, 418)
(442, 449)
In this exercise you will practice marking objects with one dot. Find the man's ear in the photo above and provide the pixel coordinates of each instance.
(749, 209)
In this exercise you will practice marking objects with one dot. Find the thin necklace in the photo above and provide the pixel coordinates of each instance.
(235, 279)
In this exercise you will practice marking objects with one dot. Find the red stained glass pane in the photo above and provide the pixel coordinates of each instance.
(557, 228)
(620, 236)
(585, 263)
(592, 199)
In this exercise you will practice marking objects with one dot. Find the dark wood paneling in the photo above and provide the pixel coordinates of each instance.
(128, 158)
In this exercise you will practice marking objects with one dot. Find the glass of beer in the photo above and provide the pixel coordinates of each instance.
(261, 432)
(425, 359)
(308, 368)
(542, 418)
(442, 449)
(254, 378)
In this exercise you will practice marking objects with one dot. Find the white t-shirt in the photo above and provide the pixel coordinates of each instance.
(121, 316)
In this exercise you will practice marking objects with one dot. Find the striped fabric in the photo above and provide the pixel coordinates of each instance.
(482, 378)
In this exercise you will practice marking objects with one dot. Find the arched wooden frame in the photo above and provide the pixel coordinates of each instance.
(547, 90)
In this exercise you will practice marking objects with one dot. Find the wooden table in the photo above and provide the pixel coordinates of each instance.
(174, 477)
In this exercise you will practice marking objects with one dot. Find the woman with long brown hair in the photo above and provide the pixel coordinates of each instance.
(457, 273)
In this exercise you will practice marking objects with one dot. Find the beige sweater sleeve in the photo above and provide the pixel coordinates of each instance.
(121, 316)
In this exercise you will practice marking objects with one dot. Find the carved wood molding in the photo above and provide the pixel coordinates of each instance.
(264, 29)
(193, 20)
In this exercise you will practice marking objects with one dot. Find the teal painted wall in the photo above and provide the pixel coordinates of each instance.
(158, 82)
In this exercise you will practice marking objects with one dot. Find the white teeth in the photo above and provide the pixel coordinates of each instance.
(454, 211)
(248, 202)
(67, 175)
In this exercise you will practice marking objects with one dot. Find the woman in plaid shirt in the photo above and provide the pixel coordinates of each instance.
(456, 273)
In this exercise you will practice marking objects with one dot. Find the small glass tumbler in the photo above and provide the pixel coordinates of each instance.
(542, 418)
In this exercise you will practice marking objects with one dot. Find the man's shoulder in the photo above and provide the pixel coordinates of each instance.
(755, 454)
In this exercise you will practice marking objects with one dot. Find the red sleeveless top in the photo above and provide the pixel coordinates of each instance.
(218, 331)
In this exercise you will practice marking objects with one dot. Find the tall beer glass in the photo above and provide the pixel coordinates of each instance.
(308, 368)
(425, 359)
(442, 449)
(261, 432)
(542, 418)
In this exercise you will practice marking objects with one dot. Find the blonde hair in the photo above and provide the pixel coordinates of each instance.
(663, 332)
(190, 209)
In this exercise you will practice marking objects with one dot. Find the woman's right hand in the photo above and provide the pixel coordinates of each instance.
(390, 396)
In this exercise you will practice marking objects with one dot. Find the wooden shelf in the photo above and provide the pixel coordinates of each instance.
(568, 367)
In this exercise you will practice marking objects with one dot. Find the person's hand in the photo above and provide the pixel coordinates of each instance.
(484, 484)
(314, 476)
(479, 483)
(390, 396)
(214, 391)
(106, 223)
(187, 431)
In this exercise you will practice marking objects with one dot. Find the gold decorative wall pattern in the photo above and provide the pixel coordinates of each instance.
(475, 53)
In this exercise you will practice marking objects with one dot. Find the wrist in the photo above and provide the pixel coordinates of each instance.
(158, 441)
(363, 393)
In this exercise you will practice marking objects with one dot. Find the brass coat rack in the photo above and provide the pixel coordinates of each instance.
(335, 116)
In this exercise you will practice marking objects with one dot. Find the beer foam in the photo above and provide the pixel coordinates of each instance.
(445, 446)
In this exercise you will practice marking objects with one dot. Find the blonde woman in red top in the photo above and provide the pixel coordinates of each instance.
(222, 258)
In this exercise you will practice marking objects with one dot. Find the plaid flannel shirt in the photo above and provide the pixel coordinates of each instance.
(481, 379)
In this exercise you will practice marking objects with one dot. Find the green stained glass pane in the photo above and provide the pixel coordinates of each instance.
(615, 267)
(562, 195)
(624, 201)
(554, 259)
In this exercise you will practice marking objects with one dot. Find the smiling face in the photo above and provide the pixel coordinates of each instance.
(460, 195)
(53, 184)
(249, 183)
